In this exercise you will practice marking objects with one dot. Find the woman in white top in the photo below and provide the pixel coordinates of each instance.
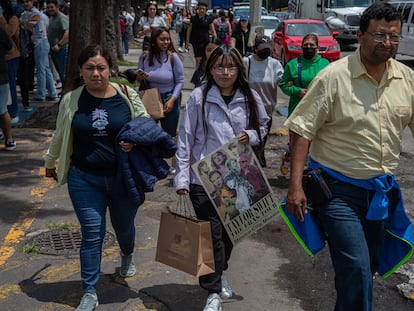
(150, 19)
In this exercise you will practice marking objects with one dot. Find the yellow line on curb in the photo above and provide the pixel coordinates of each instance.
(16, 234)
(25, 220)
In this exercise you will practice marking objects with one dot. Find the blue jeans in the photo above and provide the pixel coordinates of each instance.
(59, 60)
(354, 243)
(91, 195)
(43, 74)
(170, 122)
(12, 67)
(125, 39)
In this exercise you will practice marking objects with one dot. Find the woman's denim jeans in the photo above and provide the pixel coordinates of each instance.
(91, 195)
(12, 67)
(43, 73)
(170, 122)
(354, 244)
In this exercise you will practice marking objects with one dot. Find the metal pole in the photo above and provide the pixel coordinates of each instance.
(255, 21)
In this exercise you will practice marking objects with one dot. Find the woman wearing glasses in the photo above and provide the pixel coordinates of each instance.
(222, 108)
(148, 21)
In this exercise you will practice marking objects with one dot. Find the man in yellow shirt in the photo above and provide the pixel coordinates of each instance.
(354, 113)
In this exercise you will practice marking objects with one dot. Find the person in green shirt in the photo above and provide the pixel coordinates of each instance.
(58, 36)
(298, 74)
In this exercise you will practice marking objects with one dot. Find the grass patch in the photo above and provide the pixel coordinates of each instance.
(28, 248)
(126, 63)
(64, 226)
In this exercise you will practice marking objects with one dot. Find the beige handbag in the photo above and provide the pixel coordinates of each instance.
(151, 98)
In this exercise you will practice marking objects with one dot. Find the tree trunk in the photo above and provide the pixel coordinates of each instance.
(91, 22)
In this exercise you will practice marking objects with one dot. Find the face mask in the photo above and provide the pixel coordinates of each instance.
(309, 53)
(263, 53)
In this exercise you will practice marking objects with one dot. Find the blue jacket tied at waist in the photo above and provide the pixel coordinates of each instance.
(144, 165)
(398, 241)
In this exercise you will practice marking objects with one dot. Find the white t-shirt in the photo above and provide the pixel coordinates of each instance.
(147, 22)
(264, 77)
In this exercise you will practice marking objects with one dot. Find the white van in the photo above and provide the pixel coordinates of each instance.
(406, 8)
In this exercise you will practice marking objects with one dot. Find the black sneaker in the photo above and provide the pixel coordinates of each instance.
(10, 145)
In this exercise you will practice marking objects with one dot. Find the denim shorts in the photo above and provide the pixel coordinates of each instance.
(4, 97)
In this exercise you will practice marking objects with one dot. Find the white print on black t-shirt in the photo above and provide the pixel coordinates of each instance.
(100, 121)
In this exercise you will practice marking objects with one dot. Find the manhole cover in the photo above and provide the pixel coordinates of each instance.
(63, 242)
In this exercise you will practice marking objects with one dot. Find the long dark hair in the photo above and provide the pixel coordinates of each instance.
(203, 61)
(157, 12)
(229, 53)
(8, 9)
(154, 51)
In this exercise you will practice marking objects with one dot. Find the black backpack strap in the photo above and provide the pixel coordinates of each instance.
(300, 71)
(248, 68)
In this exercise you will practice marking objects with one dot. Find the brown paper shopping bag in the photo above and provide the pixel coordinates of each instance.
(185, 244)
(152, 101)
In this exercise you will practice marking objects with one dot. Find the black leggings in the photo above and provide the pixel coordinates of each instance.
(222, 244)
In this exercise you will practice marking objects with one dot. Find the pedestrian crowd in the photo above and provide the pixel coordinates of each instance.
(39, 34)
(345, 121)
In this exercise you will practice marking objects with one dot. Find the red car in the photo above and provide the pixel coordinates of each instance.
(287, 39)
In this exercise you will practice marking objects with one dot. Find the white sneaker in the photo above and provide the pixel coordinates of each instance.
(213, 303)
(127, 266)
(187, 50)
(226, 291)
(88, 303)
(14, 120)
(180, 49)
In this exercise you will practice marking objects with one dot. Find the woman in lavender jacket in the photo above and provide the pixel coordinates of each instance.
(164, 70)
(221, 109)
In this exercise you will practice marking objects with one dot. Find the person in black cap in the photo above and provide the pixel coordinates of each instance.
(264, 73)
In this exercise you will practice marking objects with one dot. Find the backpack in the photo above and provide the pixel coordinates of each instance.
(222, 29)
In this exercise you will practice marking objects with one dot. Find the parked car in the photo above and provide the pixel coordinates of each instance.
(283, 14)
(269, 24)
(241, 10)
(287, 39)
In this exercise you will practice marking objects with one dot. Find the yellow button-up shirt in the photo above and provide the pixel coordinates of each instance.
(355, 123)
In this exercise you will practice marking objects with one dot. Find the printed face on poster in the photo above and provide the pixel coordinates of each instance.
(238, 189)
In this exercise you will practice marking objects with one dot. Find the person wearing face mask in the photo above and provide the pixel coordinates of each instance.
(299, 73)
(264, 74)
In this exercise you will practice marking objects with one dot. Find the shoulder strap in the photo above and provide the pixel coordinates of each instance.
(300, 71)
(248, 69)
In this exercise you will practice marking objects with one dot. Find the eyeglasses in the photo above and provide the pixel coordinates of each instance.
(382, 37)
(222, 69)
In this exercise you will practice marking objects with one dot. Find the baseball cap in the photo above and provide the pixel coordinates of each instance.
(244, 17)
(262, 42)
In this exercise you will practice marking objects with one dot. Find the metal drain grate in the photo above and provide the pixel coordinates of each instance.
(63, 242)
